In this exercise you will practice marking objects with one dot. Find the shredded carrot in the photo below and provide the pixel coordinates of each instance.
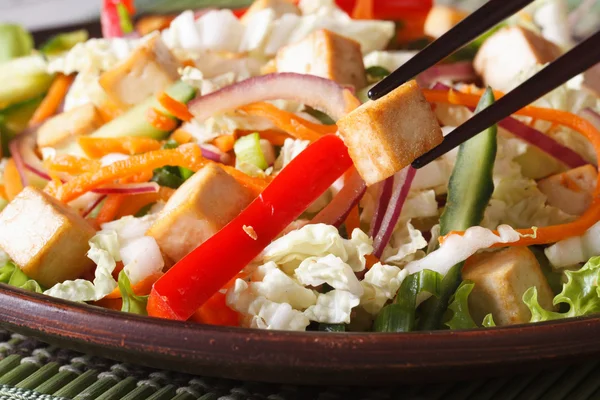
(188, 156)
(181, 136)
(3, 192)
(12, 180)
(352, 220)
(136, 202)
(225, 143)
(552, 233)
(141, 288)
(50, 104)
(289, 122)
(371, 260)
(71, 164)
(276, 138)
(254, 184)
(111, 304)
(216, 312)
(176, 108)
(110, 208)
(364, 9)
(159, 120)
(110, 110)
(99, 147)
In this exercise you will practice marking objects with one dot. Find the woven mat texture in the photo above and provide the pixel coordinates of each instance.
(33, 370)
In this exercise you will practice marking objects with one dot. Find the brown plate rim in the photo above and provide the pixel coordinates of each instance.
(297, 357)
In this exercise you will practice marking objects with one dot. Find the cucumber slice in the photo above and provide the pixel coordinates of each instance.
(23, 79)
(469, 191)
(15, 42)
(247, 150)
(134, 121)
(16, 117)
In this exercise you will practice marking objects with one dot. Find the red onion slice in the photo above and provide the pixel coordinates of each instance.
(128, 188)
(532, 136)
(319, 93)
(591, 116)
(382, 204)
(337, 210)
(93, 206)
(402, 182)
(213, 153)
(457, 72)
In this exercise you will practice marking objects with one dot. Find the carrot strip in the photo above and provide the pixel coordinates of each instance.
(136, 202)
(159, 120)
(71, 164)
(176, 108)
(552, 233)
(56, 94)
(181, 136)
(352, 220)
(141, 288)
(188, 156)
(363, 9)
(225, 143)
(110, 208)
(289, 122)
(3, 192)
(110, 110)
(12, 180)
(99, 147)
(216, 312)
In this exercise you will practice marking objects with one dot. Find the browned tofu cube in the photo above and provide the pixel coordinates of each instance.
(280, 7)
(510, 51)
(386, 135)
(441, 19)
(150, 69)
(197, 210)
(571, 191)
(501, 278)
(45, 238)
(325, 54)
(78, 121)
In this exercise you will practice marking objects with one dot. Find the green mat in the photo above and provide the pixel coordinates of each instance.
(33, 370)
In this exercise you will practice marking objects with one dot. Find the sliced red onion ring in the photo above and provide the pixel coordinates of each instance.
(128, 188)
(337, 210)
(458, 72)
(402, 182)
(542, 141)
(93, 206)
(32, 163)
(213, 153)
(591, 116)
(319, 93)
(382, 204)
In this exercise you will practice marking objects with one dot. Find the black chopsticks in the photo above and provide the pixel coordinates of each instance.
(485, 18)
(576, 61)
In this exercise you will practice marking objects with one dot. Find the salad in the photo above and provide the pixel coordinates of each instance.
(226, 167)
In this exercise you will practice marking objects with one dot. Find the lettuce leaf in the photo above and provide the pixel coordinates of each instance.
(580, 293)
(132, 303)
(13, 276)
(459, 307)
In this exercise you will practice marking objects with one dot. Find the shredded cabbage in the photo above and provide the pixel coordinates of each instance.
(380, 284)
(315, 271)
(333, 307)
(574, 250)
(274, 285)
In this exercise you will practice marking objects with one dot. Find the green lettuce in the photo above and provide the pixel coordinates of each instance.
(580, 294)
(13, 276)
(132, 303)
(460, 316)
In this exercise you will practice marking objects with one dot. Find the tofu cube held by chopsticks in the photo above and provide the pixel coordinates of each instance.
(386, 135)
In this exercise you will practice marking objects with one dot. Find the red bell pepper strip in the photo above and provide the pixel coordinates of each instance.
(116, 18)
(199, 275)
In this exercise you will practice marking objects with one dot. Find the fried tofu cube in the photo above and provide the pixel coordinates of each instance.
(45, 238)
(78, 121)
(441, 19)
(571, 191)
(150, 69)
(501, 278)
(325, 54)
(280, 7)
(197, 210)
(386, 135)
(510, 51)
